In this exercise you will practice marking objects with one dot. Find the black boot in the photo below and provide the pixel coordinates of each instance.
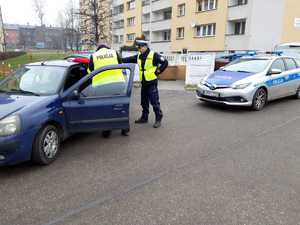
(158, 120)
(157, 124)
(142, 120)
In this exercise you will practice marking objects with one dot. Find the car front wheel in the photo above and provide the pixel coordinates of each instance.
(259, 99)
(298, 93)
(46, 146)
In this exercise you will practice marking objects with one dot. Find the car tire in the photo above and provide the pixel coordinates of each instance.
(46, 145)
(106, 133)
(259, 99)
(298, 93)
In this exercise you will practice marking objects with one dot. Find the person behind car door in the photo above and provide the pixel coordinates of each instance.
(151, 65)
(105, 56)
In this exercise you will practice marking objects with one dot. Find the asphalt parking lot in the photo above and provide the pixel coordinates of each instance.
(206, 165)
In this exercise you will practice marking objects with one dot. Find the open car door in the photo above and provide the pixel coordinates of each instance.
(98, 102)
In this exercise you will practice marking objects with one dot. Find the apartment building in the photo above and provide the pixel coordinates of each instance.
(206, 25)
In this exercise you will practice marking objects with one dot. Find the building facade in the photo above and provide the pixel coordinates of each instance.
(89, 10)
(206, 25)
(39, 37)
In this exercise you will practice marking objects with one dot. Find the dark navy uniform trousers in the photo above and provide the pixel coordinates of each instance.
(149, 94)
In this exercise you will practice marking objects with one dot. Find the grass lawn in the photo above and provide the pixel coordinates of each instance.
(34, 57)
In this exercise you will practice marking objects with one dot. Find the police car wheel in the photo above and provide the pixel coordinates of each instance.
(46, 145)
(298, 93)
(259, 99)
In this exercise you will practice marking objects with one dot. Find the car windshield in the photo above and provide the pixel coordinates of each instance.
(34, 80)
(248, 65)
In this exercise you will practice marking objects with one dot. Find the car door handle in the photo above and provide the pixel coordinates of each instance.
(118, 107)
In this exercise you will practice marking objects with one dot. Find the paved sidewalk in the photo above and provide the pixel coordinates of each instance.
(172, 85)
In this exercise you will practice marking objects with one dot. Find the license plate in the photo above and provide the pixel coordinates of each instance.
(211, 93)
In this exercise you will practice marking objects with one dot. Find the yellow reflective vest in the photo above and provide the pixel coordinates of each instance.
(149, 69)
(105, 57)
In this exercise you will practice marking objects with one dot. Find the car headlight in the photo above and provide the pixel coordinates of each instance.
(241, 86)
(10, 126)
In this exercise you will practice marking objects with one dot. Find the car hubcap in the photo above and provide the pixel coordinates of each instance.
(50, 145)
(260, 99)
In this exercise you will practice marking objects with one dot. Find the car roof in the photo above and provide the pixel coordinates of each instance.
(61, 63)
(83, 55)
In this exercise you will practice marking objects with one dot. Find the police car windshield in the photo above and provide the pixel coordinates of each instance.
(248, 65)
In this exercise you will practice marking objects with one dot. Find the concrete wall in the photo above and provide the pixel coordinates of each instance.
(190, 42)
(265, 24)
(290, 33)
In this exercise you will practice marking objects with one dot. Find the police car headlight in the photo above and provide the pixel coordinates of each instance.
(10, 126)
(240, 86)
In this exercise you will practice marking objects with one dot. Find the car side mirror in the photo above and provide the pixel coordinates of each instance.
(274, 71)
(76, 94)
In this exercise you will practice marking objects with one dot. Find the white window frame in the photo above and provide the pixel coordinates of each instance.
(242, 27)
(180, 33)
(131, 35)
(131, 5)
(167, 34)
(131, 21)
(202, 30)
(204, 5)
(181, 10)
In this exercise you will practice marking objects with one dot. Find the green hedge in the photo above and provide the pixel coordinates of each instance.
(8, 55)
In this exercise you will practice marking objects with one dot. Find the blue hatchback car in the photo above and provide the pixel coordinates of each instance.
(42, 104)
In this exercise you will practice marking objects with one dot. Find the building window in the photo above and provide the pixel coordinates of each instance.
(167, 35)
(130, 21)
(130, 37)
(167, 15)
(118, 9)
(206, 30)
(181, 10)
(145, 2)
(240, 28)
(121, 39)
(180, 33)
(131, 5)
(242, 2)
(206, 5)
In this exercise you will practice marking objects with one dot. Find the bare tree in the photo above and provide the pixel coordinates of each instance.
(39, 7)
(68, 20)
(97, 19)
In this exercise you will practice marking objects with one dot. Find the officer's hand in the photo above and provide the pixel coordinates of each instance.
(157, 72)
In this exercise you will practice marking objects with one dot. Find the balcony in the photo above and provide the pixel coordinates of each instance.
(236, 12)
(117, 16)
(145, 26)
(117, 2)
(158, 5)
(237, 42)
(161, 25)
(161, 46)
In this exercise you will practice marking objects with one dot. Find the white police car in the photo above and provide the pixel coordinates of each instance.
(252, 81)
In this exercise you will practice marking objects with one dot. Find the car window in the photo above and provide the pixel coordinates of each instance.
(248, 65)
(291, 64)
(74, 75)
(278, 64)
(298, 62)
(108, 83)
(42, 80)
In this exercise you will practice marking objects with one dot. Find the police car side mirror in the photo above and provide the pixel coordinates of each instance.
(274, 71)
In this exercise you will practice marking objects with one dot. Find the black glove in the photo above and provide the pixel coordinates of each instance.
(157, 72)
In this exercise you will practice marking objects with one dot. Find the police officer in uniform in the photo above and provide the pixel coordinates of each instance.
(151, 65)
(105, 56)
